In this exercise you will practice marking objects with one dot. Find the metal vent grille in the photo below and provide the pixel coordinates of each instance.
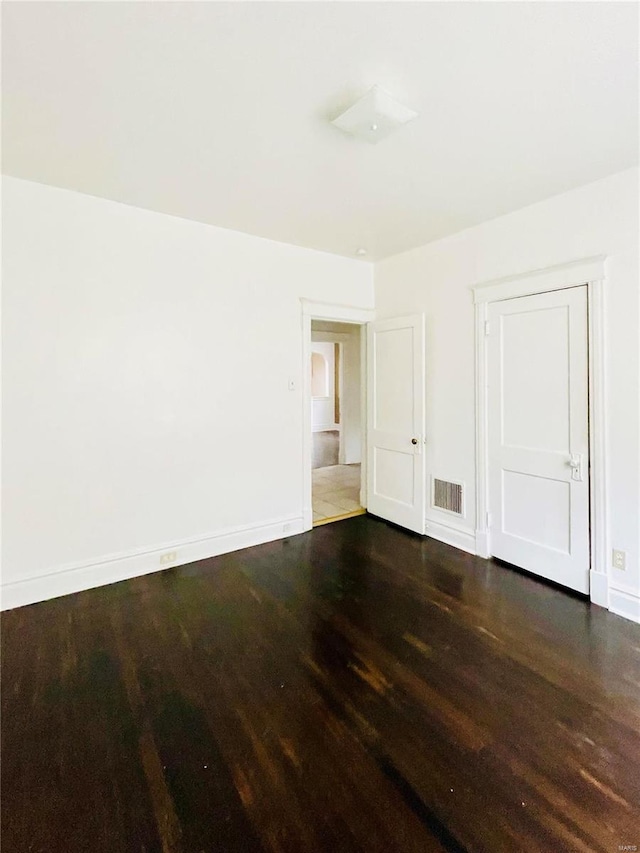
(447, 496)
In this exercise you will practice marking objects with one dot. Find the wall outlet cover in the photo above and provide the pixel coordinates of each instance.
(619, 560)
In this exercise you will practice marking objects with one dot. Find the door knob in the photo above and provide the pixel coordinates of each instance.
(414, 441)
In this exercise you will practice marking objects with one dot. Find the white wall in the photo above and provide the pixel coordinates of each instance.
(599, 218)
(137, 350)
(323, 415)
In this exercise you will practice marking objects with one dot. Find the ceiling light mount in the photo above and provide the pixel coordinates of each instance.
(374, 116)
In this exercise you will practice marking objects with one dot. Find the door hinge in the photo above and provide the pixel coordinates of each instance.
(486, 328)
(489, 519)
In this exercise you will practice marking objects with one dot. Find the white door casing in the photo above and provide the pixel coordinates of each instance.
(538, 434)
(395, 421)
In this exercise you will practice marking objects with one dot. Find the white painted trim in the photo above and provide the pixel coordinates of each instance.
(364, 470)
(482, 544)
(589, 272)
(326, 427)
(619, 586)
(338, 314)
(541, 281)
(482, 450)
(459, 537)
(599, 589)
(598, 484)
(75, 577)
(307, 440)
(624, 603)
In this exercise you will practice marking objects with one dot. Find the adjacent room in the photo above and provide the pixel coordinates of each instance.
(337, 401)
(320, 427)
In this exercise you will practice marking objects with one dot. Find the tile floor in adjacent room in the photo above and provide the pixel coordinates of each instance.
(336, 492)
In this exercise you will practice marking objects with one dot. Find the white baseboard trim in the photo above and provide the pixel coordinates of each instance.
(456, 536)
(624, 603)
(482, 544)
(599, 588)
(307, 518)
(118, 567)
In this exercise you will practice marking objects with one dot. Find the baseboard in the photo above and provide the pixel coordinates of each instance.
(482, 544)
(456, 536)
(625, 603)
(118, 567)
(307, 518)
(599, 588)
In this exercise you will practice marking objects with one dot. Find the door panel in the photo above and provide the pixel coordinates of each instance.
(393, 475)
(536, 509)
(396, 387)
(533, 384)
(538, 434)
(394, 375)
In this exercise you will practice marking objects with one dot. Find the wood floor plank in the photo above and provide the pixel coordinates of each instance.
(356, 688)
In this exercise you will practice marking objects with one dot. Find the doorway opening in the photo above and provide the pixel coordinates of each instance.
(336, 421)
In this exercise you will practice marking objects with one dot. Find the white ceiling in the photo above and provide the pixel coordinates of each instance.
(219, 112)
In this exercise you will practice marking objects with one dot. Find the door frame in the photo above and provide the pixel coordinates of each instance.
(336, 313)
(589, 272)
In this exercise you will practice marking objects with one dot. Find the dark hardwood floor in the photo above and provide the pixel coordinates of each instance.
(355, 688)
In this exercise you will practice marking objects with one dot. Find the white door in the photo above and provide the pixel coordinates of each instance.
(395, 428)
(538, 434)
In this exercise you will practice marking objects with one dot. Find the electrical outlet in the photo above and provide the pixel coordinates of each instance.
(619, 560)
(169, 557)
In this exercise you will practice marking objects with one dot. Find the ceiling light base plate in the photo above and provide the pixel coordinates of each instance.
(374, 117)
